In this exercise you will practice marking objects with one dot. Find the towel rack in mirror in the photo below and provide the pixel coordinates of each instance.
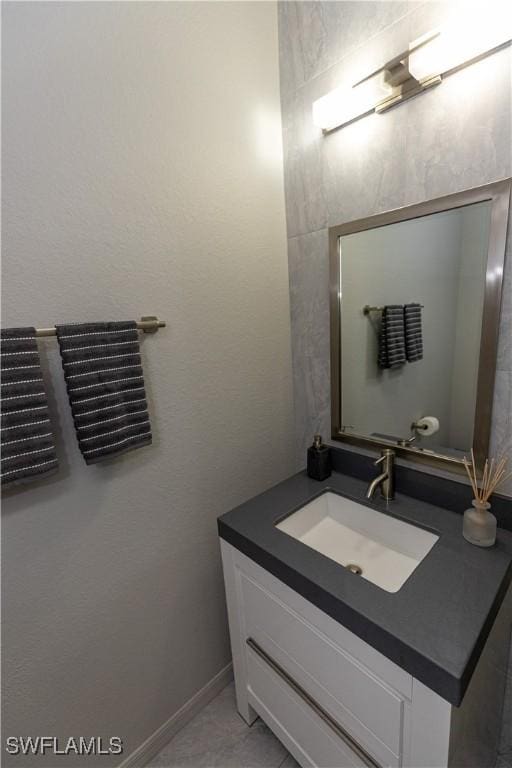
(367, 309)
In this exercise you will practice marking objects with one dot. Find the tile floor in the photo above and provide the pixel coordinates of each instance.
(218, 738)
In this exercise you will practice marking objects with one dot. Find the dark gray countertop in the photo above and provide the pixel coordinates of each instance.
(434, 627)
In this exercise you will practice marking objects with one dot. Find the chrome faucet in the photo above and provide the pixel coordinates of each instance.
(386, 480)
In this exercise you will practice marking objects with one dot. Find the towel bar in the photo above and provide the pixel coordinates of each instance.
(147, 324)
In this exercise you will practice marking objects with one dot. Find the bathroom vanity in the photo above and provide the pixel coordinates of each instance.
(400, 665)
(369, 632)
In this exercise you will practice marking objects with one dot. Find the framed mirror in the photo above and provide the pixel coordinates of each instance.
(415, 305)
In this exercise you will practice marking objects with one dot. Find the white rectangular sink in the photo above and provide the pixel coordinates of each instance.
(386, 550)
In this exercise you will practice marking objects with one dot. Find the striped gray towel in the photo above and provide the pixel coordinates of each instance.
(28, 446)
(105, 384)
(413, 333)
(392, 337)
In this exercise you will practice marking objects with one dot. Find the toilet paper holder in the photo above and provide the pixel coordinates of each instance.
(428, 425)
(417, 425)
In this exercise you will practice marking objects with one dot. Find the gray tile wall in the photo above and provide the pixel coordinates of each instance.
(451, 138)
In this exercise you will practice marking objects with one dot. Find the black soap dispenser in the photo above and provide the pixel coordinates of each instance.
(319, 460)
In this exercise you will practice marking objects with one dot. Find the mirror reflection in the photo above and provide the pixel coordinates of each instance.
(412, 296)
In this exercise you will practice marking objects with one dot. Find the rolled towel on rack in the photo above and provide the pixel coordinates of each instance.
(413, 333)
(28, 444)
(392, 337)
(105, 383)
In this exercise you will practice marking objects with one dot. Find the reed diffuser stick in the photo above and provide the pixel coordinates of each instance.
(468, 471)
(473, 466)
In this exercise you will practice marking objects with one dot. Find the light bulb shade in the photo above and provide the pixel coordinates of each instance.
(461, 41)
(347, 103)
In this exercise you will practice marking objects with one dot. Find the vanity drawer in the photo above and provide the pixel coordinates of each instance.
(287, 713)
(356, 698)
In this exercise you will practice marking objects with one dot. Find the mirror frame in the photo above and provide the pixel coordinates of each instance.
(498, 194)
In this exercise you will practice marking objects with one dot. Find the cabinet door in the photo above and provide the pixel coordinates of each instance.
(330, 697)
(363, 704)
(304, 733)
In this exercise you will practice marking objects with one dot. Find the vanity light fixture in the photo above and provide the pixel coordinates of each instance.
(426, 62)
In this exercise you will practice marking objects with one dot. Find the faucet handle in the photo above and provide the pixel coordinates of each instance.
(387, 453)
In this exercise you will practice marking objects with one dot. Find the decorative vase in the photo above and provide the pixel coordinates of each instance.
(479, 525)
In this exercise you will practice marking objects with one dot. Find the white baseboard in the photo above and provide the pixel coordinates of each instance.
(157, 741)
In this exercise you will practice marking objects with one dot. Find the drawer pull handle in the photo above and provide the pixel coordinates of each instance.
(320, 711)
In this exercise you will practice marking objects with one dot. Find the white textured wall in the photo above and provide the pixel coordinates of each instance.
(141, 175)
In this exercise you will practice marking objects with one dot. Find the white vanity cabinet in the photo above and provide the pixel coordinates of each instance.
(332, 699)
